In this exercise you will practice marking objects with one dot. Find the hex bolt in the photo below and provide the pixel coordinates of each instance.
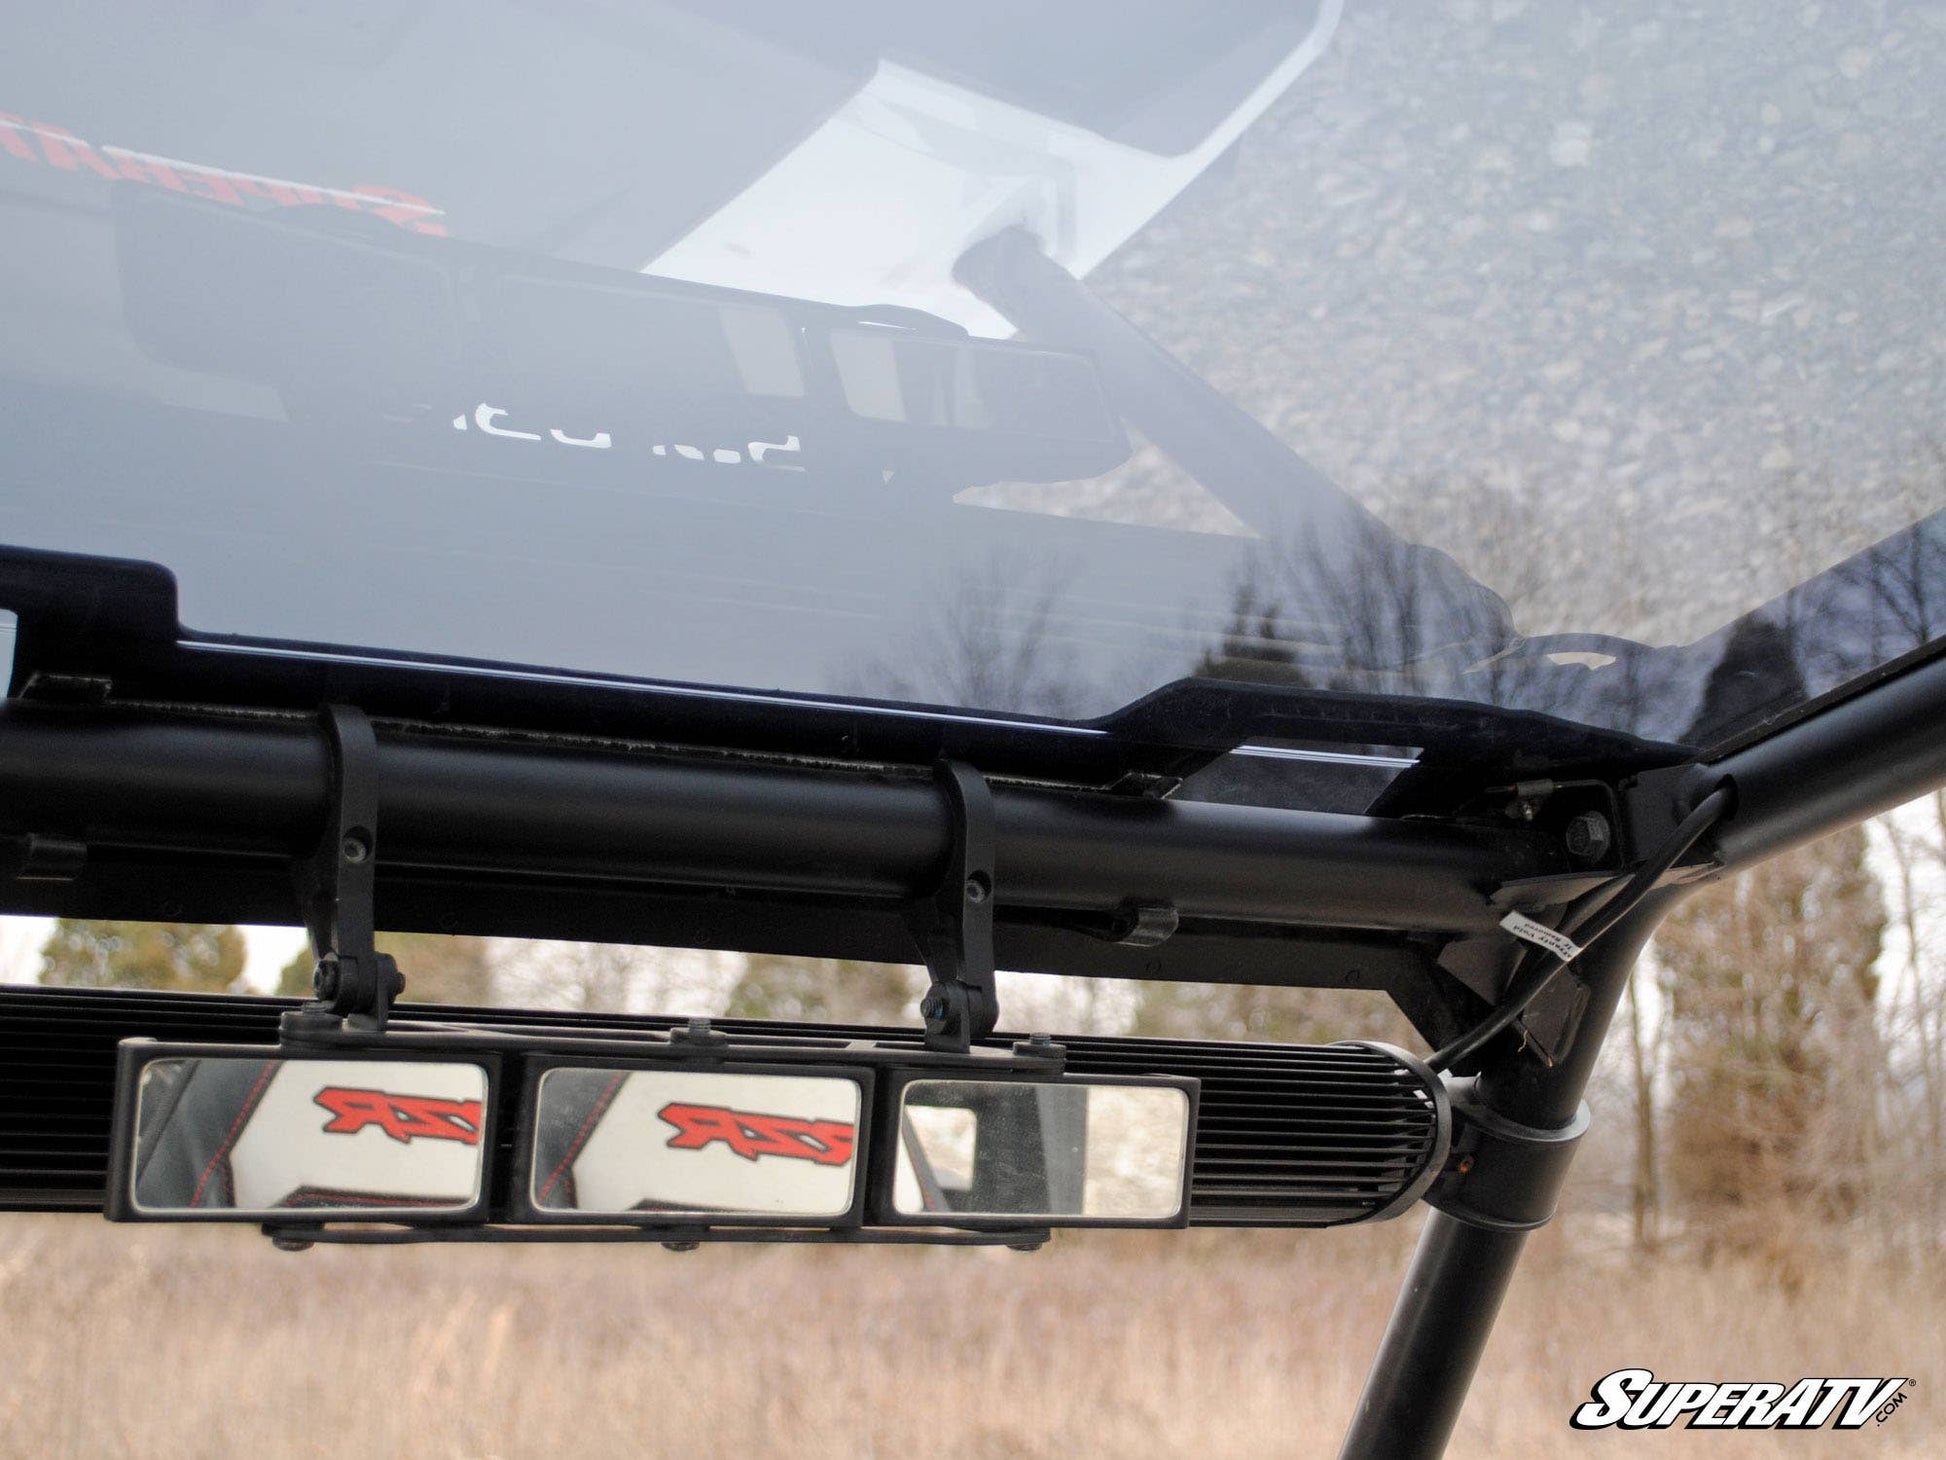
(976, 888)
(1587, 836)
(355, 848)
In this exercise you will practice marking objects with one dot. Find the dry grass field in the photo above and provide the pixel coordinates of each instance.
(181, 1342)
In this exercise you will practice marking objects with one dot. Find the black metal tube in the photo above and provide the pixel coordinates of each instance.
(1258, 477)
(1842, 765)
(1548, 1096)
(1849, 762)
(495, 806)
(1244, 465)
(1433, 1341)
(1461, 1270)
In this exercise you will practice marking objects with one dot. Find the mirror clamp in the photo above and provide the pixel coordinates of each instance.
(954, 926)
(698, 1032)
(353, 980)
(1041, 1049)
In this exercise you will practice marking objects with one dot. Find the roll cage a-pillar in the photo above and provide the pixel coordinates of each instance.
(1855, 760)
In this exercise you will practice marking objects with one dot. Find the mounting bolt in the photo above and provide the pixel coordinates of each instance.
(977, 889)
(933, 1006)
(681, 1246)
(1588, 836)
(290, 1244)
(1040, 1040)
(325, 980)
(698, 1028)
(355, 848)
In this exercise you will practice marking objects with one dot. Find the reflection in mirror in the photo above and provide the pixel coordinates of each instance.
(704, 1143)
(265, 1136)
(1009, 1148)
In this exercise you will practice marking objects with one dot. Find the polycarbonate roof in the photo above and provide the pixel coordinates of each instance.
(404, 326)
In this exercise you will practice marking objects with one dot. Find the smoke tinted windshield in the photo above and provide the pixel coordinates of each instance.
(629, 339)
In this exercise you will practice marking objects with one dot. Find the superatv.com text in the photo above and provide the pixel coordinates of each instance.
(1635, 1399)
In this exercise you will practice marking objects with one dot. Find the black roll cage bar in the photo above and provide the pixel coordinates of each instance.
(186, 813)
(146, 776)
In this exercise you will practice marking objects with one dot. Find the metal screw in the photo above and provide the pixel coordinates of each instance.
(1464, 1165)
(290, 1244)
(1039, 1040)
(976, 888)
(699, 1029)
(355, 848)
(681, 1246)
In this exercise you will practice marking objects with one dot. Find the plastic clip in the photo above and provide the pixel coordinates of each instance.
(954, 926)
(353, 980)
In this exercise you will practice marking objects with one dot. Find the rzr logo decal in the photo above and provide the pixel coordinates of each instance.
(402, 1117)
(750, 1135)
(1636, 1400)
(57, 147)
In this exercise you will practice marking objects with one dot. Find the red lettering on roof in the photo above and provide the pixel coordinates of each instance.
(64, 150)
(54, 146)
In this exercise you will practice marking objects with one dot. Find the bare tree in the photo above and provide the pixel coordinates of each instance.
(613, 978)
(1644, 1060)
(1914, 1153)
(1770, 984)
(836, 991)
(180, 957)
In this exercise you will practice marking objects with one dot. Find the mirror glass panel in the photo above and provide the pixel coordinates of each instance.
(1009, 1148)
(270, 1136)
(702, 1143)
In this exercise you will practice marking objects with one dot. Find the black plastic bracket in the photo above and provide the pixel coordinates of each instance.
(354, 981)
(954, 926)
(1500, 1174)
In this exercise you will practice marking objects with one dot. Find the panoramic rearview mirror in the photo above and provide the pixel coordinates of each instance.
(1015, 1151)
(241, 1137)
(829, 1140)
(648, 1144)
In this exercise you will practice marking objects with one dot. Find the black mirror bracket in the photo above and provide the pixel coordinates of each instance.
(954, 926)
(1501, 1174)
(354, 982)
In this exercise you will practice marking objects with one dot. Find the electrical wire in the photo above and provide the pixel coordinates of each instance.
(1588, 917)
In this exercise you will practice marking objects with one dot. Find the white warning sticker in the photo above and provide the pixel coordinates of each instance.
(1541, 936)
